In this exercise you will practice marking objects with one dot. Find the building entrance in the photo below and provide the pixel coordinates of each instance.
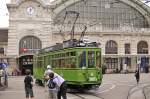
(111, 63)
(144, 64)
(26, 62)
(28, 46)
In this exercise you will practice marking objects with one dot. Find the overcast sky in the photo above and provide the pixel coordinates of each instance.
(4, 12)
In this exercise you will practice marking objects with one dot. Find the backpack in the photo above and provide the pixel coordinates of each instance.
(51, 84)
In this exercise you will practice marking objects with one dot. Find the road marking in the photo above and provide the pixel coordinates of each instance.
(106, 90)
(130, 85)
(124, 83)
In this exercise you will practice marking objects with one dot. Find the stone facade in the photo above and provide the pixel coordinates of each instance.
(38, 22)
(22, 24)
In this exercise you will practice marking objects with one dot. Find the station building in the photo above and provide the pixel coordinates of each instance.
(122, 27)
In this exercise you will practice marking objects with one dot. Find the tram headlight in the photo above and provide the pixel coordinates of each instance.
(92, 79)
(83, 67)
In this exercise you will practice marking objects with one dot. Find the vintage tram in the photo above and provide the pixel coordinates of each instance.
(78, 63)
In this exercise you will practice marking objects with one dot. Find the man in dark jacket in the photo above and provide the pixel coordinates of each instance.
(61, 83)
(137, 75)
(28, 81)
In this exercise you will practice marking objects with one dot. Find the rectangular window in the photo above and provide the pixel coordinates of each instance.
(40, 62)
(1, 50)
(73, 53)
(128, 61)
(98, 59)
(127, 48)
(46, 62)
(82, 59)
(91, 59)
(111, 63)
(70, 62)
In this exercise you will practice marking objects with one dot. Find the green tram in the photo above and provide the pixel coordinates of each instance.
(80, 66)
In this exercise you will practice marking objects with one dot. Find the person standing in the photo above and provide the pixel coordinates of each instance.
(61, 83)
(28, 82)
(137, 75)
(125, 68)
(47, 72)
(52, 87)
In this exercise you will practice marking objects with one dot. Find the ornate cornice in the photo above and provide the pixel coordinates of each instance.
(19, 2)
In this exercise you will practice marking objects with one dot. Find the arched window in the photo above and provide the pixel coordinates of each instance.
(142, 47)
(111, 47)
(29, 45)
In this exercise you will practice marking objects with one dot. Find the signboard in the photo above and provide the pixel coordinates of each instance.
(27, 60)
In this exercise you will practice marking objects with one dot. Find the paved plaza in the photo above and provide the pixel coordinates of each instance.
(118, 86)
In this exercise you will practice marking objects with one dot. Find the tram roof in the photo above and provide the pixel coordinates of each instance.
(70, 48)
(69, 45)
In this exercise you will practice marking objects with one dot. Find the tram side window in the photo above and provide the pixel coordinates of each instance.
(46, 61)
(40, 62)
(63, 55)
(82, 59)
(67, 61)
(35, 61)
(98, 59)
(73, 62)
(67, 54)
(70, 63)
(62, 63)
(73, 53)
(91, 58)
(54, 63)
(50, 60)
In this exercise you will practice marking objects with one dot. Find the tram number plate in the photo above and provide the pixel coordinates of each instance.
(92, 78)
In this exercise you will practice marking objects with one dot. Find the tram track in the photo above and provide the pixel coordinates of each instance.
(142, 88)
(130, 92)
(87, 95)
(93, 94)
(96, 95)
(146, 91)
(80, 97)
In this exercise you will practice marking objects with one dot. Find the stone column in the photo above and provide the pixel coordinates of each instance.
(133, 63)
(12, 65)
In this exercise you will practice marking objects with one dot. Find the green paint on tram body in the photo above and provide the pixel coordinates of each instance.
(80, 66)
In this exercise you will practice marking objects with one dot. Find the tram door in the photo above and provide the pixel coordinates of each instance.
(26, 62)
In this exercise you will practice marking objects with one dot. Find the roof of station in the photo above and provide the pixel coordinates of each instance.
(58, 6)
(143, 10)
(57, 3)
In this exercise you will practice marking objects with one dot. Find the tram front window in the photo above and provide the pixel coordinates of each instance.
(98, 59)
(91, 58)
(82, 59)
